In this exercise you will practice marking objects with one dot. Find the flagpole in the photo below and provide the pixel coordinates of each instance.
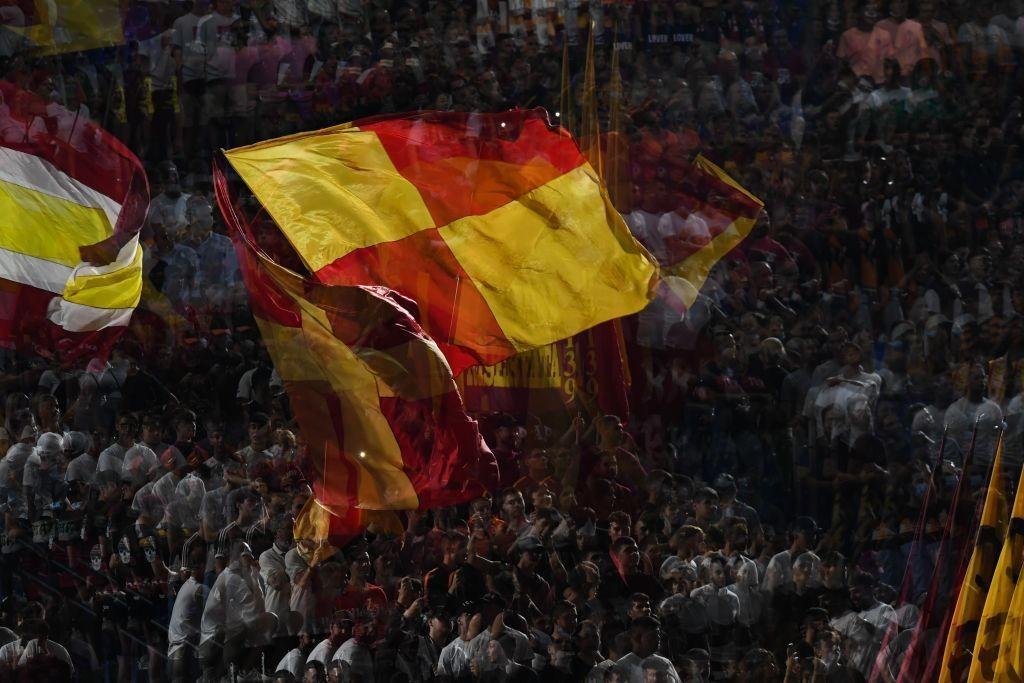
(915, 550)
(905, 674)
(937, 656)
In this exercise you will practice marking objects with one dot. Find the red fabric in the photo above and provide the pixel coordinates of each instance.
(470, 164)
(443, 455)
(422, 266)
(102, 163)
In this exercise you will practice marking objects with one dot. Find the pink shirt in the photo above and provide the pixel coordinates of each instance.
(866, 52)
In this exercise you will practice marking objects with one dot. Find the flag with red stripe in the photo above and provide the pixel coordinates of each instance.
(72, 200)
(382, 420)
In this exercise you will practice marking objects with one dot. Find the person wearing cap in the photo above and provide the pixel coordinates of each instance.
(803, 535)
(81, 461)
(454, 660)
(42, 481)
(140, 464)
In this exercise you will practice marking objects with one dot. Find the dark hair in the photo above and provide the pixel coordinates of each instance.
(645, 623)
(620, 542)
(705, 494)
(620, 517)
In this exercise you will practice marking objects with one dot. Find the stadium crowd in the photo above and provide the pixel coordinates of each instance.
(752, 519)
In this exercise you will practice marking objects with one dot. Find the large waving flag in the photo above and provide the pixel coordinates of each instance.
(976, 582)
(51, 27)
(999, 635)
(716, 214)
(382, 420)
(494, 224)
(72, 200)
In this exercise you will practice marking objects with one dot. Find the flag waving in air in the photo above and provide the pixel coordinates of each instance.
(51, 28)
(72, 200)
(997, 649)
(383, 422)
(494, 224)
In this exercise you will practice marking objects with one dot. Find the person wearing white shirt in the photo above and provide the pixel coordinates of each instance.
(454, 659)
(275, 575)
(802, 537)
(235, 621)
(184, 627)
(646, 641)
(111, 459)
(356, 653)
(323, 652)
(294, 660)
(975, 408)
(34, 632)
(867, 627)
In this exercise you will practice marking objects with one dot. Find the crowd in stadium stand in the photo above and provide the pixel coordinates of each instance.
(751, 518)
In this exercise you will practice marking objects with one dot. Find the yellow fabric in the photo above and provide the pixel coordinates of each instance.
(74, 26)
(46, 227)
(311, 528)
(1009, 663)
(994, 624)
(526, 265)
(121, 287)
(332, 192)
(313, 353)
(971, 600)
(696, 268)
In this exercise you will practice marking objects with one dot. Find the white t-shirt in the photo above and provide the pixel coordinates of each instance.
(632, 665)
(216, 38)
(454, 659)
(185, 36)
(186, 615)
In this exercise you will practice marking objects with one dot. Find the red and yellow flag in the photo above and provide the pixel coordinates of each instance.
(72, 200)
(382, 421)
(494, 224)
(997, 649)
(715, 214)
(976, 583)
(52, 27)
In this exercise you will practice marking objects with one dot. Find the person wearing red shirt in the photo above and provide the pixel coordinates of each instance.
(359, 593)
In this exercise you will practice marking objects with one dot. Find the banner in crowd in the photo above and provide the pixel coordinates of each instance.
(580, 374)
(72, 201)
(494, 224)
(381, 417)
(54, 27)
